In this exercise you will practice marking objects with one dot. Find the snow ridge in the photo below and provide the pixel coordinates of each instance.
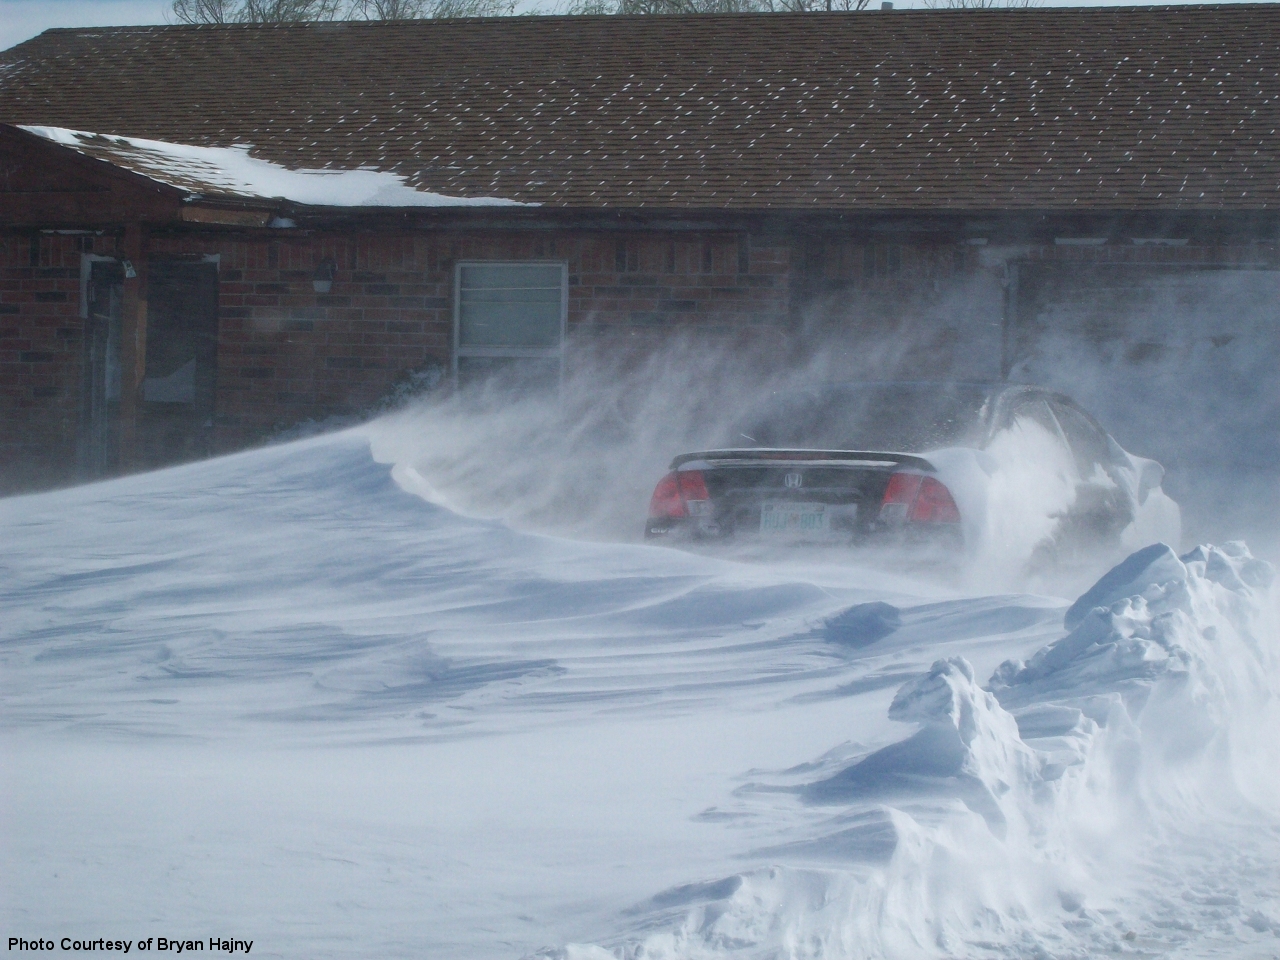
(1012, 811)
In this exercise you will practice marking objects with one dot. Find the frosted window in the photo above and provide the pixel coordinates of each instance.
(510, 305)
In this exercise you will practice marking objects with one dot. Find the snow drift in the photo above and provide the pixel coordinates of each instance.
(280, 696)
(997, 827)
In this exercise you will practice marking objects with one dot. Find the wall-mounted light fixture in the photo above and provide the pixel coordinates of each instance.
(322, 279)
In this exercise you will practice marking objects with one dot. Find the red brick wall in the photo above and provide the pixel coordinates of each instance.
(1265, 255)
(40, 359)
(717, 282)
(287, 353)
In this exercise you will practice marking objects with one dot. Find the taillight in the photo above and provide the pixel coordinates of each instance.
(692, 485)
(913, 498)
(933, 504)
(901, 492)
(666, 500)
(675, 492)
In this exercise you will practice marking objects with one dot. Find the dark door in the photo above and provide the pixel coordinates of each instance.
(99, 441)
(175, 418)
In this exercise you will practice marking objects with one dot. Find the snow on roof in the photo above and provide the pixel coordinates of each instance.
(1062, 108)
(231, 171)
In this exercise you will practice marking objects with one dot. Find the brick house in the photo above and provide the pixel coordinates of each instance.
(209, 232)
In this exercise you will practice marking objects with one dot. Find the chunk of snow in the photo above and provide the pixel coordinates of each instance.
(967, 745)
(1149, 567)
(864, 624)
(1151, 615)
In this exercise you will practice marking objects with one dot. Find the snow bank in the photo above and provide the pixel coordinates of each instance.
(1001, 827)
(281, 668)
(231, 170)
(1152, 618)
(966, 747)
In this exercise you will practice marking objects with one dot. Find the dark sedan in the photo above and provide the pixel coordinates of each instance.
(912, 461)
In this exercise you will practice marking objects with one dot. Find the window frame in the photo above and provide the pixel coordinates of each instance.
(556, 352)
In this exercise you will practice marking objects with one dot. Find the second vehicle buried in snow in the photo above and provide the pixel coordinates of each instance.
(958, 464)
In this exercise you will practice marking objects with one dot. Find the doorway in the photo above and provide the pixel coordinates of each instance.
(99, 440)
(175, 413)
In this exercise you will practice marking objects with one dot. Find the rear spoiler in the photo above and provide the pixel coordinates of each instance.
(771, 455)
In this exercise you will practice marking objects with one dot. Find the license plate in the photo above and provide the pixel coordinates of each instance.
(800, 521)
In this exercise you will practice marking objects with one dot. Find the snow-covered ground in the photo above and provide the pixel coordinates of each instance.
(280, 697)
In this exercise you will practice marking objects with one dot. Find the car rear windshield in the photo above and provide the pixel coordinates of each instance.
(902, 417)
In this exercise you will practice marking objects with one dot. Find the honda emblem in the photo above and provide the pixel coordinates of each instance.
(793, 480)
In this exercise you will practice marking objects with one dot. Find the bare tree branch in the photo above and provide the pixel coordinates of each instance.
(707, 6)
(812, 6)
(292, 11)
(387, 9)
(205, 11)
(980, 4)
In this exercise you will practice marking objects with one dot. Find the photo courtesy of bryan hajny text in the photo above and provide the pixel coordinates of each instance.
(165, 944)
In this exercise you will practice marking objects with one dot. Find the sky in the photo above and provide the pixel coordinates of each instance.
(22, 19)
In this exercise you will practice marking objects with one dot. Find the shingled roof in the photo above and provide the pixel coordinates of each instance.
(1039, 109)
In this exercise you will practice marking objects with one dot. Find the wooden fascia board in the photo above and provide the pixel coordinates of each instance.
(229, 215)
(886, 225)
